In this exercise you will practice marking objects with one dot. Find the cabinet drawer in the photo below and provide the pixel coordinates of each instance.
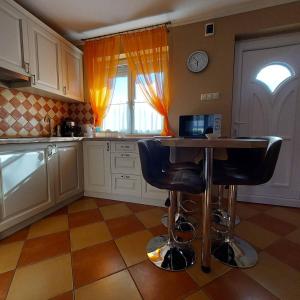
(126, 184)
(124, 147)
(126, 163)
(151, 192)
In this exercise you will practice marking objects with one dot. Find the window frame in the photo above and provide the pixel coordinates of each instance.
(131, 101)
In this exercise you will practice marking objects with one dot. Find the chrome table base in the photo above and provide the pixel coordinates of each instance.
(164, 255)
(235, 252)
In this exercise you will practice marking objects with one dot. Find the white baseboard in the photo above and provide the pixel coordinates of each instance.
(132, 199)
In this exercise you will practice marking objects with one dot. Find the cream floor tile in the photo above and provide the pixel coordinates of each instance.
(48, 226)
(133, 247)
(285, 214)
(89, 235)
(9, 256)
(115, 211)
(201, 278)
(198, 296)
(294, 236)
(43, 280)
(277, 277)
(256, 235)
(244, 211)
(150, 217)
(82, 204)
(115, 287)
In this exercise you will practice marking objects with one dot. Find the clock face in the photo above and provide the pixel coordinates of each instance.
(197, 61)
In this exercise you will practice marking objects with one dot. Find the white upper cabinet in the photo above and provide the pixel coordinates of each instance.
(45, 59)
(72, 73)
(30, 47)
(14, 40)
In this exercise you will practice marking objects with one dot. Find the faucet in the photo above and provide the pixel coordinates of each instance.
(47, 119)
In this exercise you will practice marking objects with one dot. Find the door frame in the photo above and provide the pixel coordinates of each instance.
(274, 41)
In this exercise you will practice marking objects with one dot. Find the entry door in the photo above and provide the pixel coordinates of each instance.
(267, 102)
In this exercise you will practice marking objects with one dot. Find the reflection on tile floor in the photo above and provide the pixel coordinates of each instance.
(95, 249)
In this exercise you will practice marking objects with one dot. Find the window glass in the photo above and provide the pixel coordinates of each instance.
(273, 75)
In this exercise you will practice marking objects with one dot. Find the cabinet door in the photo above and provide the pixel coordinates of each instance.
(72, 73)
(151, 192)
(69, 170)
(126, 185)
(45, 59)
(125, 163)
(14, 39)
(97, 171)
(26, 186)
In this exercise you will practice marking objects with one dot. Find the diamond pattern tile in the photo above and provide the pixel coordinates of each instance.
(79, 253)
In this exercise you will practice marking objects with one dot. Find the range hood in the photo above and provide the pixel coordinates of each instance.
(8, 77)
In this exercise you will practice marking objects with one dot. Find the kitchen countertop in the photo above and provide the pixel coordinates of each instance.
(30, 140)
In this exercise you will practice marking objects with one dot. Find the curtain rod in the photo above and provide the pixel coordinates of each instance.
(125, 31)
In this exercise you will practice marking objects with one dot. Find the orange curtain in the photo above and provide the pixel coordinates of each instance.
(147, 53)
(101, 59)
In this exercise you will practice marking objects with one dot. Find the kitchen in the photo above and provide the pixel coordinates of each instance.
(71, 175)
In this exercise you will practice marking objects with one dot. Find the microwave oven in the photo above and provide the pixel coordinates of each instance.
(196, 126)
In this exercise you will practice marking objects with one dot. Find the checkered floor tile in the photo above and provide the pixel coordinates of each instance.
(95, 249)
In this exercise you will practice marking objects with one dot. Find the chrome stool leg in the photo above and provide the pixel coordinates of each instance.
(165, 252)
(234, 251)
(182, 221)
(220, 216)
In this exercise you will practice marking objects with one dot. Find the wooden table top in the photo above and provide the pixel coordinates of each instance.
(214, 143)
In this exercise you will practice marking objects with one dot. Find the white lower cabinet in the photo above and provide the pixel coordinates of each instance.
(97, 171)
(125, 163)
(69, 170)
(126, 184)
(151, 192)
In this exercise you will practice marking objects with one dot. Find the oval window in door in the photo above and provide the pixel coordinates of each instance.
(273, 75)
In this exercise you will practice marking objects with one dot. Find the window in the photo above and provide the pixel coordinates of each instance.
(129, 111)
(273, 75)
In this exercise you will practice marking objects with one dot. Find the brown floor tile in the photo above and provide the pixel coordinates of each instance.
(115, 211)
(135, 207)
(158, 230)
(106, 202)
(277, 277)
(43, 280)
(256, 235)
(245, 211)
(151, 217)
(62, 211)
(20, 235)
(114, 287)
(9, 256)
(235, 285)
(161, 284)
(64, 296)
(275, 225)
(93, 263)
(41, 248)
(261, 207)
(294, 236)
(286, 214)
(5, 281)
(287, 252)
(84, 203)
(84, 217)
(48, 225)
(200, 295)
(124, 225)
(133, 247)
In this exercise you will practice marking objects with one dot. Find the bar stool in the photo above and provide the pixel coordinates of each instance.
(244, 167)
(166, 251)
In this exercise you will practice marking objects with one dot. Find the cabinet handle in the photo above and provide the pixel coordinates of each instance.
(50, 151)
(64, 90)
(107, 147)
(127, 176)
(125, 155)
(33, 79)
(26, 65)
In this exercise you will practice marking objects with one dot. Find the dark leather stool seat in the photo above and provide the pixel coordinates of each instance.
(165, 251)
(243, 167)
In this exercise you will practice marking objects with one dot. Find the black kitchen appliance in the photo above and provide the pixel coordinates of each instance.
(70, 128)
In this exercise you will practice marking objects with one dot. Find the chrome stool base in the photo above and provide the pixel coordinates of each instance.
(235, 252)
(169, 256)
(181, 223)
(220, 217)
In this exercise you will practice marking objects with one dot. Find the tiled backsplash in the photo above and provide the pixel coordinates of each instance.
(22, 114)
(81, 113)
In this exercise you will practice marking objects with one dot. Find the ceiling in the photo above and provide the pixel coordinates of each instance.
(78, 19)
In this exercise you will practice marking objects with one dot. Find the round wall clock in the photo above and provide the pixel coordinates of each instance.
(197, 61)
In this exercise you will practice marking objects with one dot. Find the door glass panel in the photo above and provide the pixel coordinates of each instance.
(273, 75)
